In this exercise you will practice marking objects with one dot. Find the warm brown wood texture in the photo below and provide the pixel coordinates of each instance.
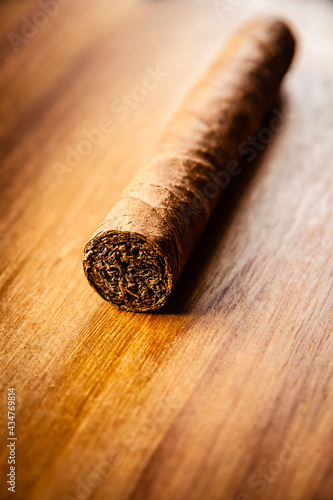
(227, 392)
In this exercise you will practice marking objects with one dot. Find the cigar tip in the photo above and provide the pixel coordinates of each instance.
(128, 270)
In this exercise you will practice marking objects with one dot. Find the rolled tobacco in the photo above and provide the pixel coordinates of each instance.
(136, 256)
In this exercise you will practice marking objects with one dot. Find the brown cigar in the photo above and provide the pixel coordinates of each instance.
(136, 256)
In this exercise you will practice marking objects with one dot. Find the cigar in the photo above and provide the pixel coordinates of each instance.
(137, 254)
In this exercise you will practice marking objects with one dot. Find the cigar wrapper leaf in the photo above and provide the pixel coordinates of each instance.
(136, 256)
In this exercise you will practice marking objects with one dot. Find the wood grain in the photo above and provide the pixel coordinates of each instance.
(227, 392)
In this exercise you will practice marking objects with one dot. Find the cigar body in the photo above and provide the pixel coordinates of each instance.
(136, 256)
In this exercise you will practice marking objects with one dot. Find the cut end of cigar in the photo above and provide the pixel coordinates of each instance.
(128, 270)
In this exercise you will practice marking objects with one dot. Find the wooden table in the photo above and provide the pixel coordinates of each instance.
(227, 392)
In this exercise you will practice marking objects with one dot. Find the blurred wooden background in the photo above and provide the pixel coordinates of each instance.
(227, 392)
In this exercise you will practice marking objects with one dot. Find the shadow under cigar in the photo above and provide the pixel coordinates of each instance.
(187, 290)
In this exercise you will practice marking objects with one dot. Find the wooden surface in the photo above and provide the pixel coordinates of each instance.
(227, 392)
